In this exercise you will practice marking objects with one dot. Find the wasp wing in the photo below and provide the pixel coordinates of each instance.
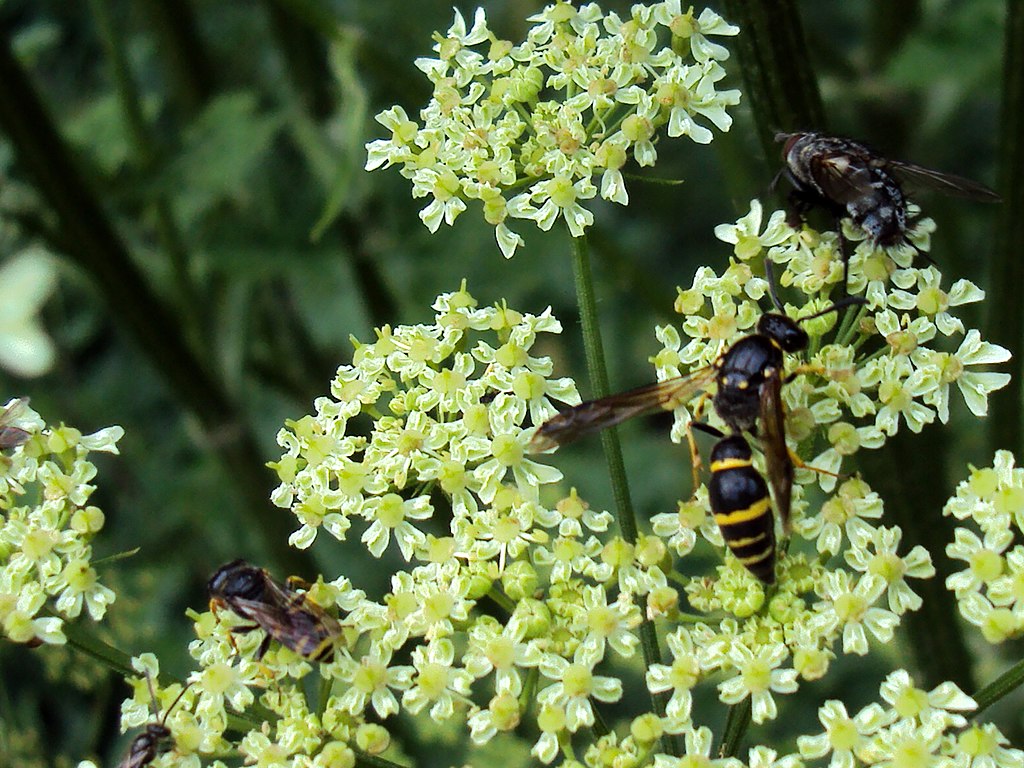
(773, 443)
(11, 436)
(595, 415)
(947, 183)
(141, 752)
(296, 623)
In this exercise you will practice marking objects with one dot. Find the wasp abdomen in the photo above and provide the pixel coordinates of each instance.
(742, 507)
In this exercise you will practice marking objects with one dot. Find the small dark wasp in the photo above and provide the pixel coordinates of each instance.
(155, 739)
(847, 178)
(288, 616)
(11, 436)
(749, 377)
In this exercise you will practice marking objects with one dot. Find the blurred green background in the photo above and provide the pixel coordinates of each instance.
(225, 243)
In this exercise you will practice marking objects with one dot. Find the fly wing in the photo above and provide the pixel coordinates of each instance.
(595, 415)
(773, 443)
(947, 183)
(842, 177)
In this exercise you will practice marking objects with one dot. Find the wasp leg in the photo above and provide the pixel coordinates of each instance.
(801, 464)
(696, 423)
(297, 582)
(264, 647)
(803, 368)
(215, 606)
(242, 629)
(844, 255)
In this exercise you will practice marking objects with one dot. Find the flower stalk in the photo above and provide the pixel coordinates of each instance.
(1006, 683)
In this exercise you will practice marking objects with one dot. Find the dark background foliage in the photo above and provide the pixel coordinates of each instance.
(198, 167)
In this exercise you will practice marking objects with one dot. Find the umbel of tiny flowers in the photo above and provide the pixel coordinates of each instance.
(913, 727)
(47, 524)
(990, 589)
(533, 130)
(453, 404)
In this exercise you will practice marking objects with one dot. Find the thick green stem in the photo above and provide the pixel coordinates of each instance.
(184, 55)
(1006, 683)
(736, 724)
(1006, 311)
(597, 369)
(598, 372)
(305, 55)
(779, 82)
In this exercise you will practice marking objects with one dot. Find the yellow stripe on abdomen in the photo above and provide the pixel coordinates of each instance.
(754, 511)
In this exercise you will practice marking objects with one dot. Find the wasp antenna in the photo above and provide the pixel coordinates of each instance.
(174, 703)
(836, 306)
(152, 697)
(769, 273)
(153, 700)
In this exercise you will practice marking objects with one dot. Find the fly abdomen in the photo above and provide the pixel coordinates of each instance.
(742, 507)
(882, 211)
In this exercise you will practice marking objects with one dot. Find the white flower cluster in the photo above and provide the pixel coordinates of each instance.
(443, 412)
(916, 727)
(47, 525)
(527, 129)
(449, 412)
(430, 425)
(990, 589)
(888, 362)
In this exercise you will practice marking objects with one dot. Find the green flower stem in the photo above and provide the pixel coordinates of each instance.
(736, 725)
(1006, 311)
(302, 42)
(598, 371)
(373, 761)
(504, 601)
(1006, 683)
(85, 642)
(90, 241)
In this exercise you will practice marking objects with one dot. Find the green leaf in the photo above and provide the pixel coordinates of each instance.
(223, 149)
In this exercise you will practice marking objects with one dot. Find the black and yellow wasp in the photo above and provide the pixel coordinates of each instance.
(155, 739)
(286, 615)
(749, 377)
